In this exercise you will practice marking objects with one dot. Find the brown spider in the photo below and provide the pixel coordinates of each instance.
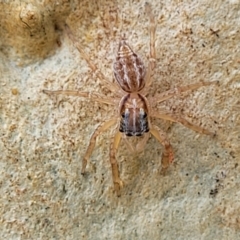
(135, 110)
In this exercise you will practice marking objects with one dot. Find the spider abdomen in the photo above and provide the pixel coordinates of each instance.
(129, 70)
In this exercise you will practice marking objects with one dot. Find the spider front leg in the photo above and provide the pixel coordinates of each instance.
(118, 184)
(167, 156)
(102, 127)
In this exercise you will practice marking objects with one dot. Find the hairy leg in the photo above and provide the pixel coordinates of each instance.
(92, 96)
(152, 57)
(102, 127)
(167, 156)
(118, 184)
(178, 90)
(111, 86)
(176, 118)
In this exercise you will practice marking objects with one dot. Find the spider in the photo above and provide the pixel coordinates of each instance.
(135, 110)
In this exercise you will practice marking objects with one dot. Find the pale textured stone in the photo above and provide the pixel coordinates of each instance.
(43, 139)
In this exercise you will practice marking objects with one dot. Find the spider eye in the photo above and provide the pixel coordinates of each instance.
(143, 113)
(126, 113)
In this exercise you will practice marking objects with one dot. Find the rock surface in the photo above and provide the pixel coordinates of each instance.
(43, 138)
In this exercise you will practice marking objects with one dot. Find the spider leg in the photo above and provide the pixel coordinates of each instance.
(152, 60)
(118, 184)
(111, 86)
(92, 96)
(167, 156)
(175, 118)
(102, 127)
(178, 90)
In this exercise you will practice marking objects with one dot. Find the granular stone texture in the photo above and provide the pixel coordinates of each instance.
(43, 138)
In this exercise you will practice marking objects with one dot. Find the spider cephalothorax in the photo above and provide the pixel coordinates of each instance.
(134, 118)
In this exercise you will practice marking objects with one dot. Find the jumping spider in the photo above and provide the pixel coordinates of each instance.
(135, 110)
